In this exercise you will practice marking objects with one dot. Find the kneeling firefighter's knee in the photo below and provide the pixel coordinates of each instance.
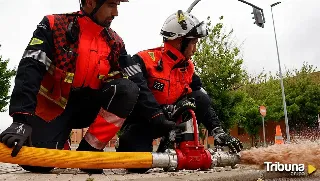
(120, 96)
(201, 98)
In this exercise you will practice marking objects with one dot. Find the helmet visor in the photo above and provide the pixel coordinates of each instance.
(197, 31)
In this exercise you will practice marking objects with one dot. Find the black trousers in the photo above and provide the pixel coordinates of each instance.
(118, 97)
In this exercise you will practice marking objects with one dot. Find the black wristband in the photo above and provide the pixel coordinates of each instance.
(21, 118)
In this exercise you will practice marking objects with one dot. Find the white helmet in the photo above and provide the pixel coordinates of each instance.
(183, 24)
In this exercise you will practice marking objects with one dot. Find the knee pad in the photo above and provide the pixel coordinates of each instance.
(119, 97)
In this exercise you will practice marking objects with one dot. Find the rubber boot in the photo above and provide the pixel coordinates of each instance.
(85, 146)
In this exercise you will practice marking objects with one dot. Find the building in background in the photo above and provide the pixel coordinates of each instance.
(270, 128)
(78, 134)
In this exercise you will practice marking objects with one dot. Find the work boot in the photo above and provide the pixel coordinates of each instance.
(37, 169)
(85, 146)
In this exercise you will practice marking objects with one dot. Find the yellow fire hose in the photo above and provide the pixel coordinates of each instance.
(105, 160)
(76, 159)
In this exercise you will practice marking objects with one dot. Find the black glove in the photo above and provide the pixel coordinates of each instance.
(163, 126)
(16, 136)
(176, 110)
(223, 139)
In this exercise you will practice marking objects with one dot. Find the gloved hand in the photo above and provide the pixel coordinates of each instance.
(176, 110)
(16, 136)
(163, 126)
(223, 139)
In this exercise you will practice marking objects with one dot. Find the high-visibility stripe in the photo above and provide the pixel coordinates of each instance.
(132, 70)
(111, 118)
(39, 55)
(94, 142)
(101, 76)
(103, 129)
(62, 103)
(69, 77)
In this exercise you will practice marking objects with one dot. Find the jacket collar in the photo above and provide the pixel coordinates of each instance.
(173, 56)
(88, 26)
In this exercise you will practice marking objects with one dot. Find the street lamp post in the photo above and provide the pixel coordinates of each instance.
(192, 5)
(259, 21)
(281, 78)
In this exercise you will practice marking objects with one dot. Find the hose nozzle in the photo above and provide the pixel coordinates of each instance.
(222, 159)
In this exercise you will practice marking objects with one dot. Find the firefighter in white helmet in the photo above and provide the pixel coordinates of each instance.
(171, 78)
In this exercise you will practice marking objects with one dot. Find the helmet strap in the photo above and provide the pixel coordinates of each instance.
(184, 44)
(98, 6)
(94, 11)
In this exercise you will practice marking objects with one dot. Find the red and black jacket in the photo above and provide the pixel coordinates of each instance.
(176, 79)
(52, 65)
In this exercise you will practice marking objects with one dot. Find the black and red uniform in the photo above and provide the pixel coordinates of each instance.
(59, 82)
(70, 77)
(169, 78)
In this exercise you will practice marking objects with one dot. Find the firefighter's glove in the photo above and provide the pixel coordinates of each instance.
(223, 139)
(162, 125)
(176, 110)
(16, 136)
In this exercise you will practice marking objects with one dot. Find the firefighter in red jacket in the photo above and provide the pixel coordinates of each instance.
(75, 73)
(171, 77)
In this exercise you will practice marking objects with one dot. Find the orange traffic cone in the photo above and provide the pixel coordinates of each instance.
(278, 136)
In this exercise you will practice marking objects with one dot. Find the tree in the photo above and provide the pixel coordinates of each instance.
(302, 89)
(265, 89)
(218, 64)
(202, 134)
(303, 96)
(5, 77)
(250, 118)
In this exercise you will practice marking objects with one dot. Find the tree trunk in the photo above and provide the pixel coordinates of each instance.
(204, 137)
(252, 141)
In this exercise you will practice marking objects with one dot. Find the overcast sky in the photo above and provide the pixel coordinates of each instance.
(140, 21)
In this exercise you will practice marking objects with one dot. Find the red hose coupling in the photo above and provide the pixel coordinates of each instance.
(191, 157)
